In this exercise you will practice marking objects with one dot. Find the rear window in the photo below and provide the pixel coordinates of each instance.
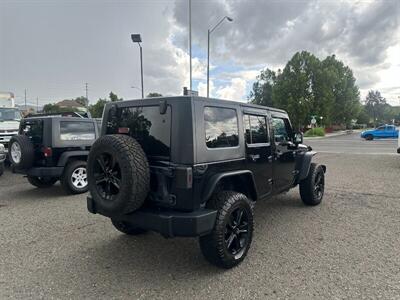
(33, 129)
(151, 129)
(221, 127)
(77, 131)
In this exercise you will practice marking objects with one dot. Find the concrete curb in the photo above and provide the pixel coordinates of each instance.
(343, 132)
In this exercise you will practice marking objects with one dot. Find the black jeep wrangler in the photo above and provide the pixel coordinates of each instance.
(51, 148)
(192, 166)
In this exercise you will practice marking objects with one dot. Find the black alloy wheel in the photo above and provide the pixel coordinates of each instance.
(237, 232)
(228, 243)
(313, 186)
(319, 185)
(107, 176)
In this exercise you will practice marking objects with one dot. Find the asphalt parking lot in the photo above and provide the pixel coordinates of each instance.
(348, 247)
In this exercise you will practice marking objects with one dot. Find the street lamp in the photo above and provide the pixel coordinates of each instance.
(208, 51)
(136, 38)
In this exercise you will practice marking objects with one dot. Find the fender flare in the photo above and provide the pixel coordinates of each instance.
(303, 163)
(67, 155)
(216, 178)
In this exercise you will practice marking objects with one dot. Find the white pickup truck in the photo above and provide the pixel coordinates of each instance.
(2, 158)
(10, 117)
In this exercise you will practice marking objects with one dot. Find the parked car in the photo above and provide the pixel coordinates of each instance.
(195, 167)
(381, 132)
(49, 148)
(2, 158)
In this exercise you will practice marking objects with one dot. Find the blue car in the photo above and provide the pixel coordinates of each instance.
(381, 132)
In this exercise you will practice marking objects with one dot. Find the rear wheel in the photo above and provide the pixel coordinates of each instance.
(127, 228)
(42, 182)
(312, 188)
(74, 178)
(227, 245)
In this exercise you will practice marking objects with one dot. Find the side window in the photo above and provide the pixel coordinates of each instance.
(255, 128)
(381, 128)
(221, 127)
(282, 130)
(77, 131)
(33, 130)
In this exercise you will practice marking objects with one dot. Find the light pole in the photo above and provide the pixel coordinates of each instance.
(208, 51)
(136, 38)
(135, 87)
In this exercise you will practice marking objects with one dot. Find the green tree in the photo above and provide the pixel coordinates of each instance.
(308, 86)
(82, 101)
(262, 88)
(375, 105)
(154, 94)
(96, 110)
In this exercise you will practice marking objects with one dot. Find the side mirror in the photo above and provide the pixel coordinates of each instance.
(298, 138)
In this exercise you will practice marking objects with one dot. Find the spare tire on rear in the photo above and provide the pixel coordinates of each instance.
(21, 152)
(118, 174)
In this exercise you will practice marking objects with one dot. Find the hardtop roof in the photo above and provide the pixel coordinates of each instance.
(156, 100)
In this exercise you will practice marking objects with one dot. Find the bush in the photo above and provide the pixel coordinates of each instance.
(318, 131)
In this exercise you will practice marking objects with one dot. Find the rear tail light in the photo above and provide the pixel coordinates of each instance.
(47, 151)
(123, 130)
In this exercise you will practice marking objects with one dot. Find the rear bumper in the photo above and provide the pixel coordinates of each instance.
(168, 223)
(42, 172)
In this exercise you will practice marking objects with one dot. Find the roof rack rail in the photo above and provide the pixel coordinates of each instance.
(73, 114)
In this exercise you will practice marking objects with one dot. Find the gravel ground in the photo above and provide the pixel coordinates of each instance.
(348, 247)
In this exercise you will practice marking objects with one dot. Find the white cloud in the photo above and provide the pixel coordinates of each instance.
(236, 90)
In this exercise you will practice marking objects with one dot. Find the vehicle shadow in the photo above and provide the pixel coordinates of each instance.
(151, 257)
(31, 192)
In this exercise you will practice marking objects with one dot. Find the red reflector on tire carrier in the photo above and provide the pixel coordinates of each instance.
(123, 130)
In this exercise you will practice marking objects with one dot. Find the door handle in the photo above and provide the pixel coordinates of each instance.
(254, 157)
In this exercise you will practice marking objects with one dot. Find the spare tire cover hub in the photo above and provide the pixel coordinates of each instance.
(16, 152)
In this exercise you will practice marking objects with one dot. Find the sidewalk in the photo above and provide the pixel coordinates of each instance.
(336, 133)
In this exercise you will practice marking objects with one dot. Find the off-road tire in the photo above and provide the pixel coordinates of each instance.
(27, 152)
(1, 168)
(308, 192)
(131, 161)
(213, 246)
(127, 228)
(67, 180)
(369, 137)
(42, 182)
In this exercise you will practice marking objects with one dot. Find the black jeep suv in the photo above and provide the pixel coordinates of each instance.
(52, 148)
(192, 166)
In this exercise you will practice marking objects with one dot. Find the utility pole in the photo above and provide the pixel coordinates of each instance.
(25, 99)
(87, 94)
(190, 42)
(37, 104)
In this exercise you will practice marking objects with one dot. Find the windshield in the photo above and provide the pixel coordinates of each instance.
(9, 114)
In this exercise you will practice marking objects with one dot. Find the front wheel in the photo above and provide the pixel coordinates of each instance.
(227, 245)
(42, 182)
(369, 137)
(313, 186)
(74, 178)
